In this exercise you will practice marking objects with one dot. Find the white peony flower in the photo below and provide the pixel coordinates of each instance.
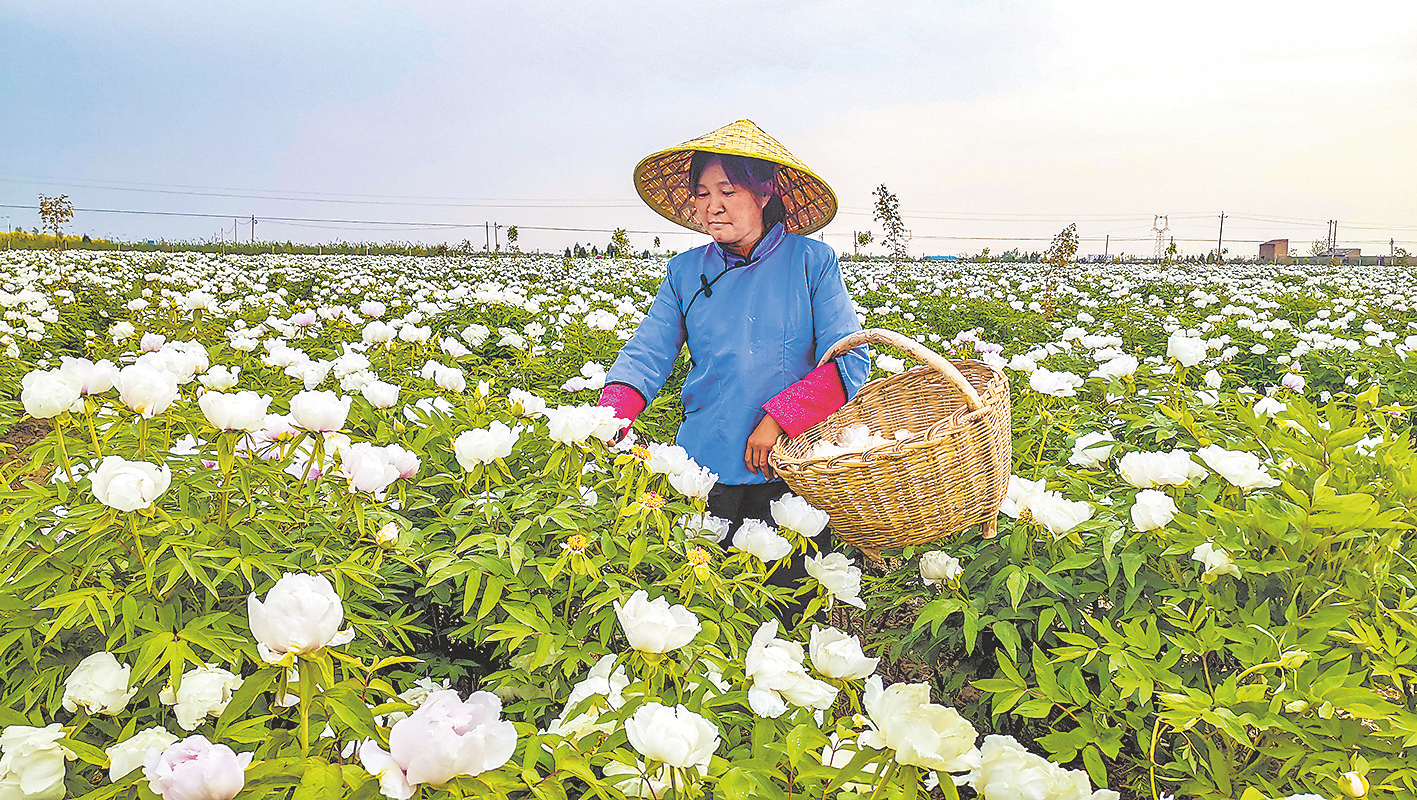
(796, 514)
(1057, 384)
(1152, 509)
(96, 378)
(1058, 514)
(100, 684)
(668, 459)
(1216, 560)
(528, 404)
(48, 394)
(132, 753)
(694, 483)
(147, 390)
(1021, 494)
(301, 614)
(380, 394)
(1239, 468)
(220, 378)
(1119, 366)
(654, 626)
(242, 411)
(1268, 406)
(604, 681)
(1150, 470)
(937, 566)
(367, 468)
(674, 736)
(921, 733)
(1092, 449)
(573, 424)
(322, 412)
(836, 654)
(484, 445)
(1185, 349)
(1005, 769)
(129, 485)
(836, 574)
(762, 540)
(774, 666)
(205, 692)
(32, 764)
(706, 525)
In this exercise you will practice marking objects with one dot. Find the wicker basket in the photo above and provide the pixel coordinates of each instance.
(951, 474)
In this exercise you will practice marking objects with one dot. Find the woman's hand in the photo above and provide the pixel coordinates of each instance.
(760, 445)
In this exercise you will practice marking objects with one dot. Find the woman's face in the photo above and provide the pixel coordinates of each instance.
(732, 215)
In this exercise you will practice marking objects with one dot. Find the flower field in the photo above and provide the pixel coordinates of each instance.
(323, 527)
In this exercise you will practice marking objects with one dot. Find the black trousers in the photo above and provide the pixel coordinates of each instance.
(737, 502)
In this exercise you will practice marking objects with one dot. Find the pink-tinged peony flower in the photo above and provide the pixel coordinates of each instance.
(444, 738)
(196, 769)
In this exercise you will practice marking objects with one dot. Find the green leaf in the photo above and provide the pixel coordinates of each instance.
(320, 781)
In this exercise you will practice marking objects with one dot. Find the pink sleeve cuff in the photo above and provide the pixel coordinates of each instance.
(625, 400)
(808, 401)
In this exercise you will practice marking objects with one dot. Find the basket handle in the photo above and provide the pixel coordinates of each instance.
(884, 336)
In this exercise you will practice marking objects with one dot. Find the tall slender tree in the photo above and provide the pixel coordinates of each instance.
(896, 238)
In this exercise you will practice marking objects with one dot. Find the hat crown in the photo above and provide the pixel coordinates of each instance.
(662, 179)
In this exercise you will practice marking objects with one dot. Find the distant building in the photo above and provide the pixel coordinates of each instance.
(1274, 250)
(1346, 252)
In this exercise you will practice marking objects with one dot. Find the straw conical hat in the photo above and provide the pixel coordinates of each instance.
(662, 179)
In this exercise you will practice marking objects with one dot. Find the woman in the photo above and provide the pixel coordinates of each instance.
(757, 307)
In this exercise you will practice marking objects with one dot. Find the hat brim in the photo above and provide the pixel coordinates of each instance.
(662, 179)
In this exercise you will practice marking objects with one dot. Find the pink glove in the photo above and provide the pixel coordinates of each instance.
(626, 401)
(808, 401)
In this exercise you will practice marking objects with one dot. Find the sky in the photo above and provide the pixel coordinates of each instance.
(995, 124)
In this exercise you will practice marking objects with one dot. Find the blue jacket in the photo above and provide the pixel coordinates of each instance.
(758, 327)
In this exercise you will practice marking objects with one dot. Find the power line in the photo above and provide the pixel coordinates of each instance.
(386, 225)
(315, 197)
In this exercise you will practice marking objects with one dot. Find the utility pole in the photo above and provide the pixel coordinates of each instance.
(1220, 242)
(1106, 247)
(496, 227)
(253, 229)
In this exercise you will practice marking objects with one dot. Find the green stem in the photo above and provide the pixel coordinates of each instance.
(63, 453)
(138, 541)
(307, 696)
(570, 588)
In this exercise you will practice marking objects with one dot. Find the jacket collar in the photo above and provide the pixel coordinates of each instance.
(769, 242)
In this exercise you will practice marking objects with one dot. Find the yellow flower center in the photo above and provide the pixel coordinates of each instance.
(577, 543)
(699, 557)
(641, 452)
(651, 500)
